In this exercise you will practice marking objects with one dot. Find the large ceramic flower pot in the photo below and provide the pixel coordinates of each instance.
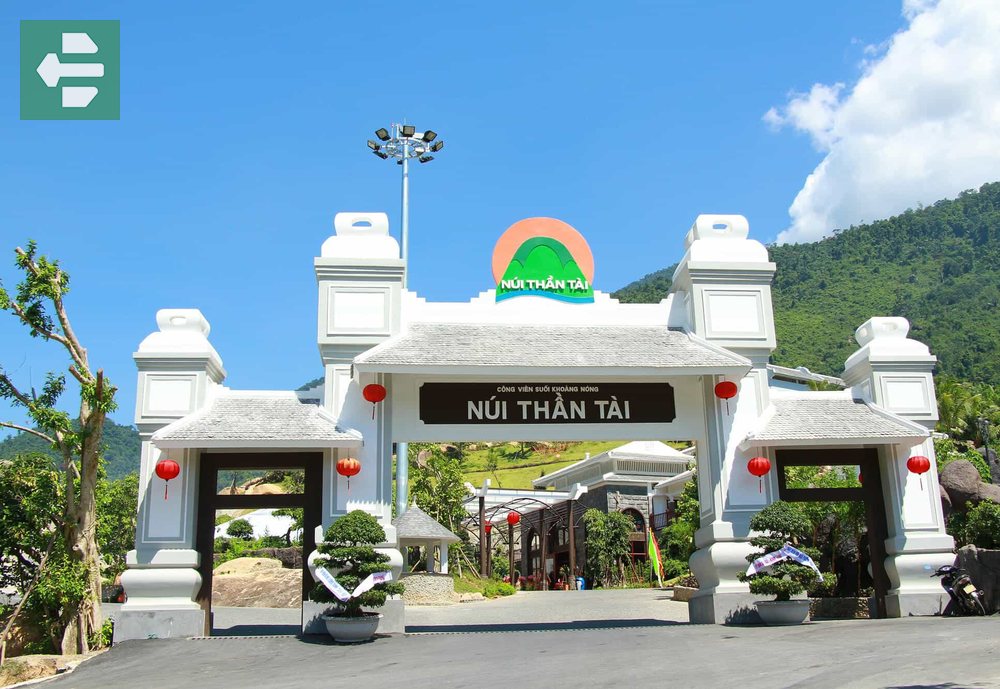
(777, 612)
(352, 630)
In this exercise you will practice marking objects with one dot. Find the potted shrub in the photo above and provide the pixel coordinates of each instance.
(348, 553)
(775, 525)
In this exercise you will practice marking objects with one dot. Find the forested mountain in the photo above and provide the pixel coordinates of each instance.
(121, 448)
(936, 266)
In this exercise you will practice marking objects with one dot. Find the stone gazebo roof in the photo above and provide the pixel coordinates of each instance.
(417, 525)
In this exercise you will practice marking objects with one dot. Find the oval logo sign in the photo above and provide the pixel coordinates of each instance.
(543, 257)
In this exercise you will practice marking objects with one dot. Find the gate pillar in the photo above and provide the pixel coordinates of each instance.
(724, 283)
(178, 367)
(896, 373)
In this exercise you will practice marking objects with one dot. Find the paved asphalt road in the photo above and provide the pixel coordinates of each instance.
(909, 653)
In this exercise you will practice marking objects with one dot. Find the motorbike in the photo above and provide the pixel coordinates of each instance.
(966, 598)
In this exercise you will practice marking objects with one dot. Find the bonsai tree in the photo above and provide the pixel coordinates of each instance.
(777, 524)
(348, 553)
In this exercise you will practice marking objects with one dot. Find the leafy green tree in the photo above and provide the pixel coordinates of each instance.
(117, 505)
(347, 551)
(492, 464)
(677, 538)
(437, 484)
(607, 545)
(38, 304)
(241, 529)
(30, 499)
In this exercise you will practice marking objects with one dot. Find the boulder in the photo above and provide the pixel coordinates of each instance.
(983, 566)
(987, 491)
(945, 501)
(248, 582)
(962, 481)
(290, 558)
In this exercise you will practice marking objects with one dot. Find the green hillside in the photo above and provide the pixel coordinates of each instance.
(121, 448)
(933, 265)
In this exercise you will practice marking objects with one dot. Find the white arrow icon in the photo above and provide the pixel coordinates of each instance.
(51, 70)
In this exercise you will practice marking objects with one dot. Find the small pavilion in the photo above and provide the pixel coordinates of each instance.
(416, 528)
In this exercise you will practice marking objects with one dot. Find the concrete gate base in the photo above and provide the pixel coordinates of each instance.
(915, 604)
(158, 624)
(724, 608)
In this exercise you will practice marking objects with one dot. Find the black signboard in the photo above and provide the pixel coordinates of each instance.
(546, 403)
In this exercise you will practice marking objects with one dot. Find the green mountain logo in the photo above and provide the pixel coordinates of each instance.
(544, 267)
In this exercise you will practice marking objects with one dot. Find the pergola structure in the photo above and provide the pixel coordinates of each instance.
(494, 505)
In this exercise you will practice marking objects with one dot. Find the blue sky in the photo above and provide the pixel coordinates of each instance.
(243, 130)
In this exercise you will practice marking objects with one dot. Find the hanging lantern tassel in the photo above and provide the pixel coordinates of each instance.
(167, 469)
(758, 466)
(919, 465)
(374, 393)
(726, 390)
(348, 467)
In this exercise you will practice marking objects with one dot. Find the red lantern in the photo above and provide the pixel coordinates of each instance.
(348, 466)
(489, 528)
(861, 478)
(167, 469)
(919, 465)
(374, 393)
(513, 518)
(726, 390)
(758, 466)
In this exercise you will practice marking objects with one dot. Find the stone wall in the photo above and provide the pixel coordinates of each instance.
(983, 567)
(424, 588)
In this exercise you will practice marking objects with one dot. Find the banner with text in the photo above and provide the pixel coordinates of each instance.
(546, 403)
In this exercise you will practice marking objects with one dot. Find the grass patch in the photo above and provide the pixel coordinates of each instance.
(468, 584)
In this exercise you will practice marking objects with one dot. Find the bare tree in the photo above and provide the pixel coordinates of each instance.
(38, 304)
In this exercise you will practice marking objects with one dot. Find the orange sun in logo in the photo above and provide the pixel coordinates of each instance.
(523, 230)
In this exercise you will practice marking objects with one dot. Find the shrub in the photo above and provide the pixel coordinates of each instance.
(777, 524)
(271, 542)
(240, 528)
(674, 568)
(982, 525)
(348, 551)
(495, 589)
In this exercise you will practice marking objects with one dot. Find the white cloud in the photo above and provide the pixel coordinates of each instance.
(921, 123)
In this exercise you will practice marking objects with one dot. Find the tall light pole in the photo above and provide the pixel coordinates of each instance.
(402, 142)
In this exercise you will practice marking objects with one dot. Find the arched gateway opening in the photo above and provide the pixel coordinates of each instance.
(541, 355)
